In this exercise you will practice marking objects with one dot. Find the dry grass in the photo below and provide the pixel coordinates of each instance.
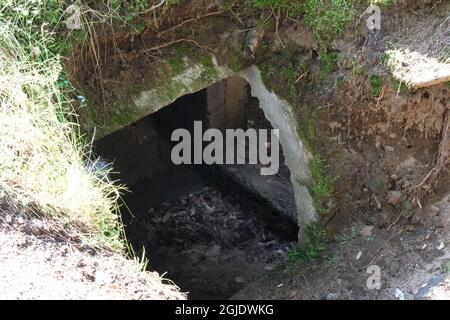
(420, 56)
(45, 166)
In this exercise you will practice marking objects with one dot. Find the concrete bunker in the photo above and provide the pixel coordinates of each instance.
(213, 228)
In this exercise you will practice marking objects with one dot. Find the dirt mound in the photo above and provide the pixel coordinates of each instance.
(35, 265)
(413, 260)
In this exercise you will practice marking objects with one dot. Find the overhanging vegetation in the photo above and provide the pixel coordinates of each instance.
(46, 167)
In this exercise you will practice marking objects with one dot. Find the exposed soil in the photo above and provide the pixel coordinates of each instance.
(124, 59)
(413, 257)
(225, 225)
(40, 259)
(381, 148)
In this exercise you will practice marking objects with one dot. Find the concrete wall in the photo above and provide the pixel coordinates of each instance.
(281, 116)
(226, 108)
(142, 149)
(227, 101)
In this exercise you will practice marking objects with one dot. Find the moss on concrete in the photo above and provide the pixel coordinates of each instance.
(189, 74)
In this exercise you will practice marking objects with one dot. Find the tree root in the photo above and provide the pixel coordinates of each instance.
(423, 189)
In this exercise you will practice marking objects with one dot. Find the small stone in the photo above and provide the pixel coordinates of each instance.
(440, 246)
(399, 294)
(358, 255)
(436, 280)
(36, 51)
(81, 263)
(331, 296)
(408, 163)
(240, 279)
(389, 149)
(268, 268)
(377, 183)
(423, 293)
(279, 252)
(422, 247)
(378, 142)
(393, 197)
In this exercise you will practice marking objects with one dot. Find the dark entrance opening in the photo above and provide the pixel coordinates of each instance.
(205, 230)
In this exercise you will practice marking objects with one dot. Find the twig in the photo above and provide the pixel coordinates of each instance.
(445, 21)
(306, 280)
(301, 76)
(381, 96)
(374, 260)
(260, 26)
(426, 178)
(293, 20)
(167, 44)
(443, 154)
(331, 217)
(413, 11)
(94, 48)
(395, 221)
(189, 20)
(277, 17)
(236, 16)
(152, 7)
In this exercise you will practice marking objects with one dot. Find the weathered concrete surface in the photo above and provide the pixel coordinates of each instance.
(282, 117)
(277, 111)
(227, 101)
(195, 77)
(275, 192)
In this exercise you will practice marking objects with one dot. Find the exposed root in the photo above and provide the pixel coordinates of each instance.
(168, 44)
(152, 7)
(425, 187)
(211, 14)
(277, 23)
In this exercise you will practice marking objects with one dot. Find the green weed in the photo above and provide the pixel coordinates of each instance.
(314, 247)
(322, 187)
(376, 83)
(347, 238)
(45, 164)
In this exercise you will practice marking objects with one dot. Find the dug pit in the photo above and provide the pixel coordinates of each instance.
(210, 229)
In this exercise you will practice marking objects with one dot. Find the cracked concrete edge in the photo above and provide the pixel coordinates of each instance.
(281, 115)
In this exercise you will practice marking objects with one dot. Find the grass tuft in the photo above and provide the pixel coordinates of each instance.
(315, 246)
(328, 18)
(322, 183)
(376, 83)
(45, 164)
